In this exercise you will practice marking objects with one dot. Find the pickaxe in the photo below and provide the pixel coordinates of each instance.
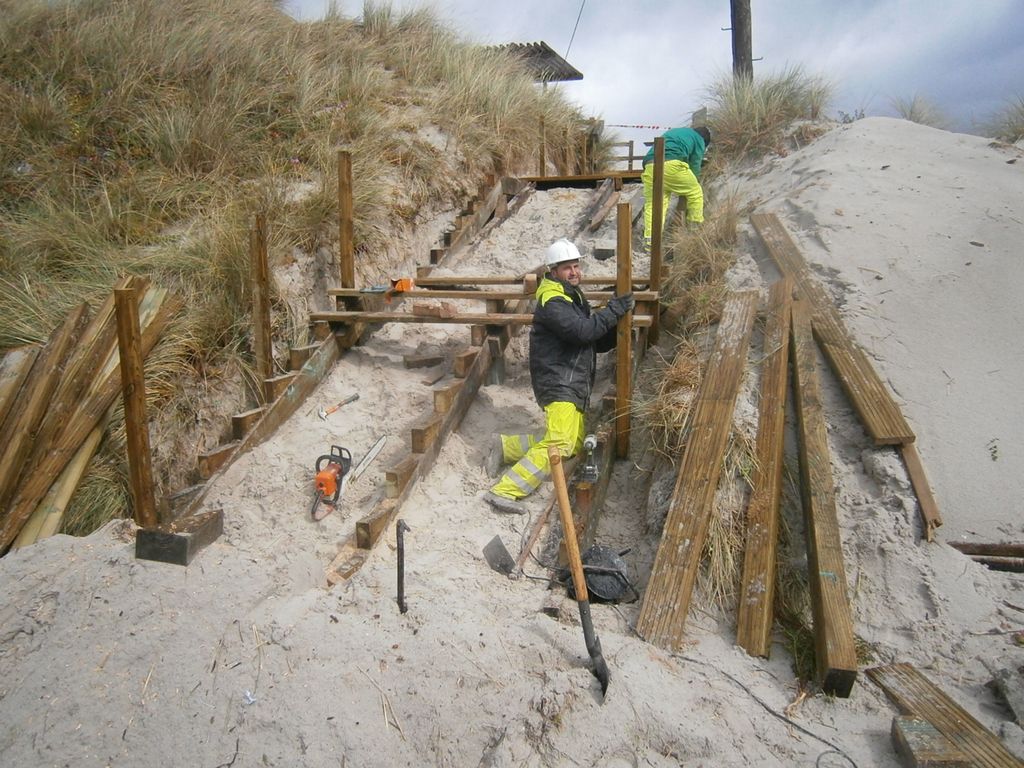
(323, 413)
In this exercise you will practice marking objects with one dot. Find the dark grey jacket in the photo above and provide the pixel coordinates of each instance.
(564, 342)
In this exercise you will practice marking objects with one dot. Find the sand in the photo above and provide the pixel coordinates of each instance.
(245, 658)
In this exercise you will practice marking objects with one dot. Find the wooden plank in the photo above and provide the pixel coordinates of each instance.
(425, 432)
(422, 361)
(472, 281)
(914, 694)
(871, 398)
(180, 541)
(757, 590)
(835, 653)
(28, 413)
(930, 516)
(462, 318)
(475, 222)
(602, 213)
(369, 528)
(445, 396)
(241, 423)
(580, 180)
(14, 368)
(463, 362)
(212, 460)
(471, 294)
(259, 276)
(666, 600)
(398, 476)
(920, 745)
(274, 386)
(992, 550)
(133, 393)
(623, 336)
(346, 222)
(297, 356)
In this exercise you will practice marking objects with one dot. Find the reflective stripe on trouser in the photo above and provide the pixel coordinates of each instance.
(514, 447)
(564, 429)
(679, 179)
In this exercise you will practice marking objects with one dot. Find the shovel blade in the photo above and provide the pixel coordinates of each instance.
(498, 557)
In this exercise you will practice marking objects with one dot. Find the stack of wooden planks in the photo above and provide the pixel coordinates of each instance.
(667, 597)
(870, 397)
(55, 402)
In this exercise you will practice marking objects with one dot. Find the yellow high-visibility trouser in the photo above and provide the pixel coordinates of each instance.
(532, 466)
(679, 179)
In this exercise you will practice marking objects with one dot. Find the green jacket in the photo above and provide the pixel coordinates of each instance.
(682, 144)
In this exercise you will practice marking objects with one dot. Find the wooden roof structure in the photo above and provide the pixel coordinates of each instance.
(546, 65)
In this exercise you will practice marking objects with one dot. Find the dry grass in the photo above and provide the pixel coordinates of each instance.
(918, 109)
(142, 136)
(1008, 123)
(749, 117)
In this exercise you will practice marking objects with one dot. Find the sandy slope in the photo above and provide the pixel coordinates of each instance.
(243, 659)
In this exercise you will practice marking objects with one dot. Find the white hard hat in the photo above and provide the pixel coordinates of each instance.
(560, 251)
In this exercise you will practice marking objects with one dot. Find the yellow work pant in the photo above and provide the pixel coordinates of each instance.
(532, 466)
(679, 179)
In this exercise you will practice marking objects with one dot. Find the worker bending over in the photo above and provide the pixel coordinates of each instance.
(684, 154)
(564, 341)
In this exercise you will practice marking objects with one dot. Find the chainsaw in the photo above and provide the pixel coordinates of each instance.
(330, 471)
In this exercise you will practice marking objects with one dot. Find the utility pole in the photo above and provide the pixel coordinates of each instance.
(742, 50)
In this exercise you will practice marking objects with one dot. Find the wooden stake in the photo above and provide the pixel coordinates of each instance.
(260, 274)
(133, 386)
(345, 221)
(657, 223)
(624, 335)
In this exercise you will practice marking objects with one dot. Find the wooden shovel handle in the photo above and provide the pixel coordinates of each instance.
(572, 547)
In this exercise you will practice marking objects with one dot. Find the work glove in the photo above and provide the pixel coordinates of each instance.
(620, 305)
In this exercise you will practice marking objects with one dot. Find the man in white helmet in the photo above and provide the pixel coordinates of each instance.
(564, 341)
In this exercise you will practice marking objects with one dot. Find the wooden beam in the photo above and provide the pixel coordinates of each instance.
(297, 356)
(474, 223)
(930, 516)
(657, 210)
(580, 180)
(835, 653)
(212, 460)
(398, 476)
(463, 318)
(914, 694)
(180, 541)
(29, 411)
(133, 390)
(871, 398)
(14, 368)
(484, 295)
(757, 590)
(667, 597)
(241, 423)
(346, 255)
(463, 362)
(274, 386)
(993, 550)
(623, 335)
(445, 396)
(260, 275)
(425, 432)
(920, 745)
(472, 281)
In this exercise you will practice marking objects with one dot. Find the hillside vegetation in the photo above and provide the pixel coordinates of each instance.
(140, 136)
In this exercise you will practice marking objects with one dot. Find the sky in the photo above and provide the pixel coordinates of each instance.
(649, 63)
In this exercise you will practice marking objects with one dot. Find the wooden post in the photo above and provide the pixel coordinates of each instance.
(345, 226)
(631, 154)
(624, 333)
(657, 215)
(133, 388)
(543, 160)
(742, 49)
(263, 350)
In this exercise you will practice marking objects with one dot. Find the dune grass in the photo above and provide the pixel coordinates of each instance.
(918, 109)
(139, 136)
(749, 117)
(1007, 124)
